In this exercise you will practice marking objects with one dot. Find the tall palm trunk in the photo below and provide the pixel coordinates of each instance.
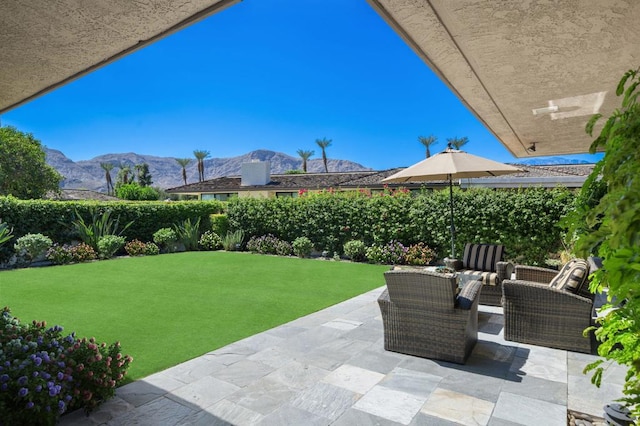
(200, 156)
(323, 144)
(184, 162)
(427, 142)
(305, 155)
(107, 167)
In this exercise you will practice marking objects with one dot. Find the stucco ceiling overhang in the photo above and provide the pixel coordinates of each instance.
(48, 43)
(505, 59)
(502, 59)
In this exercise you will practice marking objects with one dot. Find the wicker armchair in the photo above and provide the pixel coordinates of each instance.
(537, 314)
(486, 261)
(422, 316)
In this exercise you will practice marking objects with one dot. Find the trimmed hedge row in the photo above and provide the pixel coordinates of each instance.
(525, 220)
(54, 218)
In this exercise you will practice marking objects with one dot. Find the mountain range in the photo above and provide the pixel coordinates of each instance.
(551, 161)
(167, 173)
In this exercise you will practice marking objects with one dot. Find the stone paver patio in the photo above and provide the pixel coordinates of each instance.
(330, 368)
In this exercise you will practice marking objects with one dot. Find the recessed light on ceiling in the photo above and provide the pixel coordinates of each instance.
(545, 110)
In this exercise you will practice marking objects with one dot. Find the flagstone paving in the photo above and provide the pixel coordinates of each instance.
(330, 368)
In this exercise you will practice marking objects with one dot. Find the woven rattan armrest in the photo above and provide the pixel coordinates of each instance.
(504, 270)
(535, 274)
(537, 314)
(540, 297)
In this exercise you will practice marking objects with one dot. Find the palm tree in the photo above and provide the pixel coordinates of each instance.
(107, 167)
(305, 156)
(324, 143)
(457, 143)
(123, 174)
(184, 162)
(144, 177)
(427, 142)
(200, 156)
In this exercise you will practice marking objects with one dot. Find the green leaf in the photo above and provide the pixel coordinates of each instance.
(591, 123)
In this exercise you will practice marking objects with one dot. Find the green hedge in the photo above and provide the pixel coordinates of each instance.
(54, 218)
(525, 220)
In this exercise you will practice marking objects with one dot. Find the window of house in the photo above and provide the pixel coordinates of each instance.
(287, 194)
(223, 196)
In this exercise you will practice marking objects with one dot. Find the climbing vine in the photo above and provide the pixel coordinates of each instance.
(611, 230)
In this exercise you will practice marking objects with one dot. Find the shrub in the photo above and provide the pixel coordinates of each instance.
(32, 246)
(355, 250)
(133, 191)
(608, 227)
(166, 239)
(151, 249)
(108, 245)
(188, 233)
(268, 244)
(210, 241)
(524, 220)
(68, 253)
(302, 246)
(82, 253)
(5, 233)
(419, 254)
(265, 244)
(392, 253)
(135, 248)
(100, 225)
(45, 373)
(233, 240)
(54, 218)
(219, 223)
(283, 248)
(60, 255)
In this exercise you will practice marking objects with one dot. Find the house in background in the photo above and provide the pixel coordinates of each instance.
(571, 176)
(257, 181)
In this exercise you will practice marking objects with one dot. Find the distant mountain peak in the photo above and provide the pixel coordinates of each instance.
(167, 173)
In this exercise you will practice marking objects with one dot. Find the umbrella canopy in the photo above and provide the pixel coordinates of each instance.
(451, 164)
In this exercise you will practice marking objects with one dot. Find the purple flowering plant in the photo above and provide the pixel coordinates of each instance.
(392, 253)
(264, 244)
(44, 373)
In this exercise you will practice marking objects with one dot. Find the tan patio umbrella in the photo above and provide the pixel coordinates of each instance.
(451, 164)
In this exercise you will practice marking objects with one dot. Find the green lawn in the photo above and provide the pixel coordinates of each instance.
(170, 308)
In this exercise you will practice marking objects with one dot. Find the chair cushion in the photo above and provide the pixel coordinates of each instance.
(482, 257)
(487, 278)
(572, 277)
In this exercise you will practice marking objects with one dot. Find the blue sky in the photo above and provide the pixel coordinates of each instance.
(263, 74)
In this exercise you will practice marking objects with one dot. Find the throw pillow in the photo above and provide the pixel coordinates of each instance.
(572, 276)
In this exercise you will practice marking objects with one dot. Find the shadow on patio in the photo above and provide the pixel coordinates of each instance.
(330, 367)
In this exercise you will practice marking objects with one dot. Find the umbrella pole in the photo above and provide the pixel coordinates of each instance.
(453, 229)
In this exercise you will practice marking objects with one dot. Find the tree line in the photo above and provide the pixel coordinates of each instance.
(25, 174)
